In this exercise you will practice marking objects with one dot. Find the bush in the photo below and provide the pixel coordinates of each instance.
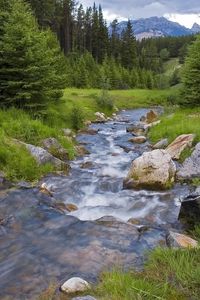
(104, 101)
(77, 118)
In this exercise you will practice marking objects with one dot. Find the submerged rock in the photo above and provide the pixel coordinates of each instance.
(54, 147)
(138, 139)
(180, 144)
(177, 240)
(161, 144)
(84, 298)
(154, 170)
(191, 166)
(74, 285)
(137, 129)
(81, 150)
(89, 131)
(87, 165)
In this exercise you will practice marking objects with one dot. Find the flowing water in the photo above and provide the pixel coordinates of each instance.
(39, 244)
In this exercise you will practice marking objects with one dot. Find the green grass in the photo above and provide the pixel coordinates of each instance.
(123, 99)
(174, 123)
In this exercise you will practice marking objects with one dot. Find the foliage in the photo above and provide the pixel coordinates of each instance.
(77, 118)
(31, 66)
(191, 76)
(104, 101)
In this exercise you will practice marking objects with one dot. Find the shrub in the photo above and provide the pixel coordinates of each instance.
(77, 118)
(104, 101)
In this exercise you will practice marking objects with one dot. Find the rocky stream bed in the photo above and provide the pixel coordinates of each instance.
(41, 242)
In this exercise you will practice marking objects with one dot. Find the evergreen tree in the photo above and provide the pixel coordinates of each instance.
(191, 75)
(80, 30)
(128, 48)
(30, 61)
(115, 41)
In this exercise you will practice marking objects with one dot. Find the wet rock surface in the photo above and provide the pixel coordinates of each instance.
(40, 241)
(191, 166)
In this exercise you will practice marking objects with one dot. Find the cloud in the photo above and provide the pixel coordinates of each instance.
(146, 8)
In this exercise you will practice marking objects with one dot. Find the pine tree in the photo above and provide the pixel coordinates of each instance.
(128, 50)
(115, 42)
(30, 61)
(191, 75)
(102, 37)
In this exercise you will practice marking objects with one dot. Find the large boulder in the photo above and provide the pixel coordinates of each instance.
(191, 166)
(74, 285)
(153, 170)
(177, 240)
(42, 157)
(180, 144)
(54, 147)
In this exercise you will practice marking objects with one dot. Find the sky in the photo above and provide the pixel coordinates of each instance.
(185, 12)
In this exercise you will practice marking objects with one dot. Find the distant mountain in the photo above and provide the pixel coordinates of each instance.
(158, 26)
(195, 28)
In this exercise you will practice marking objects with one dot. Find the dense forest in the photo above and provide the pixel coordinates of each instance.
(49, 45)
(97, 53)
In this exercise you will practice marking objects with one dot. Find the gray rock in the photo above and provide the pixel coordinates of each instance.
(74, 285)
(84, 298)
(100, 117)
(54, 147)
(161, 144)
(154, 170)
(67, 132)
(191, 166)
(42, 156)
(177, 240)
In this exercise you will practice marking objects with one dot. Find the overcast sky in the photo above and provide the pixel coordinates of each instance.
(186, 12)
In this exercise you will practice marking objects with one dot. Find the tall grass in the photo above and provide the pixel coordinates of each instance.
(180, 121)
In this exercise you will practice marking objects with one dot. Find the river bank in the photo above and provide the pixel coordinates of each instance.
(45, 243)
